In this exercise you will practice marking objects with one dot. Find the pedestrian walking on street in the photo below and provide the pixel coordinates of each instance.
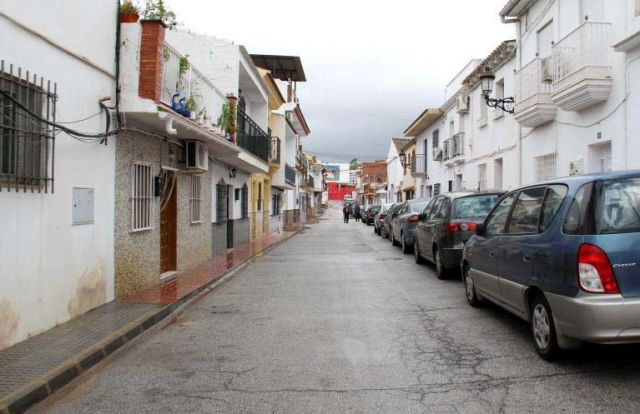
(345, 212)
(356, 212)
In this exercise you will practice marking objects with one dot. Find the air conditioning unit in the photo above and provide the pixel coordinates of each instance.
(463, 105)
(196, 156)
(576, 167)
(437, 154)
(546, 70)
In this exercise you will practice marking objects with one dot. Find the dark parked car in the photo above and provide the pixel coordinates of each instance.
(564, 256)
(369, 213)
(447, 223)
(386, 223)
(378, 219)
(404, 223)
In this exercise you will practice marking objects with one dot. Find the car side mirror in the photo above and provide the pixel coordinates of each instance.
(480, 229)
(422, 216)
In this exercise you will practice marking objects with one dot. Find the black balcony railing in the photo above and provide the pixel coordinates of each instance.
(457, 146)
(419, 164)
(274, 151)
(251, 137)
(289, 174)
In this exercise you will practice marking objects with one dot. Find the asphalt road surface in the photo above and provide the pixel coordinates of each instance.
(337, 320)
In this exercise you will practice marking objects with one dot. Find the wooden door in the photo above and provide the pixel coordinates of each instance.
(168, 231)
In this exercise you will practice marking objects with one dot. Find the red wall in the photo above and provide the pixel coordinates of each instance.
(338, 191)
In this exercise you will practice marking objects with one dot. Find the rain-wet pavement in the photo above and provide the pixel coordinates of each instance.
(338, 320)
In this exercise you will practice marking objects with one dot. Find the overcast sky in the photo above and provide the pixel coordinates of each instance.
(371, 66)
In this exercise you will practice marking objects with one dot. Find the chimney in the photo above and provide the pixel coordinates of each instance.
(289, 91)
(151, 59)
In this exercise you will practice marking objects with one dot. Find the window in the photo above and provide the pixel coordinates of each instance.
(259, 196)
(475, 207)
(436, 139)
(141, 196)
(575, 221)
(275, 205)
(617, 205)
(26, 143)
(450, 186)
(195, 199)
(436, 190)
(545, 167)
(545, 40)
(482, 177)
(435, 210)
(552, 201)
(245, 201)
(236, 194)
(498, 218)
(526, 211)
(221, 202)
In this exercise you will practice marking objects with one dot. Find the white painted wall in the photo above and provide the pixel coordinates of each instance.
(221, 171)
(394, 174)
(51, 270)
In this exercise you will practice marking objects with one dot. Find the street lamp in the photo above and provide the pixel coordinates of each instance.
(486, 84)
(402, 158)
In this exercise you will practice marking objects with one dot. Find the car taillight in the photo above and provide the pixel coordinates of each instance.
(382, 216)
(595, 273)
(413, 219)
(456, 227)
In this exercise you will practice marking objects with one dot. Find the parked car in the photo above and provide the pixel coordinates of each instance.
(378, 219)
(563, 255)
(386, 224)
(447, 223)
(369, 214)
(404, 223)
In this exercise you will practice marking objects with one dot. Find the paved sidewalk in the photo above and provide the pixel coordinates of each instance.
(32, 370)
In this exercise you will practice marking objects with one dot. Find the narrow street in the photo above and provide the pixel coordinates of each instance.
(338, 320)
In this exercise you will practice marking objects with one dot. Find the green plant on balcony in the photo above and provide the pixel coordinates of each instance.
(156, 10)
(183, 65)
(227, 119)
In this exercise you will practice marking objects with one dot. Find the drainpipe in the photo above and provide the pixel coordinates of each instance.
(508, 20)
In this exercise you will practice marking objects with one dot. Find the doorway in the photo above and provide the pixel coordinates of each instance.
(168, 222)
(229, 201)
(497, 173)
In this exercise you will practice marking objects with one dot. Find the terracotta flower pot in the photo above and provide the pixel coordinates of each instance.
(129, 17)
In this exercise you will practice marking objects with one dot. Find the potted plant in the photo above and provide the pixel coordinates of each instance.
(183, 65)
(129, 13)
(191, 105)
(156, 10)
(227, 120)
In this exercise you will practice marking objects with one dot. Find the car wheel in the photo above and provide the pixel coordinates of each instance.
(470, 288)
(441, 271)
(406, 248)
(416, 252)
(543, 331)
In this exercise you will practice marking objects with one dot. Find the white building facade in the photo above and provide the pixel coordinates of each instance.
(56, 207)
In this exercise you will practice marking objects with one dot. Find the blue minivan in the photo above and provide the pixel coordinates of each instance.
(565, 256)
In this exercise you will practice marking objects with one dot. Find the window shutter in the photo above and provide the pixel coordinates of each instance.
(221, 202)
(245, 201)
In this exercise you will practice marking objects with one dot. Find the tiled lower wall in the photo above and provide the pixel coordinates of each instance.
(291, 218)
(219, 235)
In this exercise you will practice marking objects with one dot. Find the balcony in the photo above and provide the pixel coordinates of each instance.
(419, 165)
(289, 174)
(310, 181)
(454, 149)
(177, 85)
(251, 137)
(582, 68)
(274, 152)
(533, 94)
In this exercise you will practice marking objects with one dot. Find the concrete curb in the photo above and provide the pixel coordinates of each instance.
(52, 381)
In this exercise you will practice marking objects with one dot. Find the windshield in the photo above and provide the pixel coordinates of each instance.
(374, 209)
(618, 205)
(476, 207)
(418, 207)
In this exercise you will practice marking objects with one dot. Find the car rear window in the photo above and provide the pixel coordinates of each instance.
(475, 207)
(418, 207)
(617, 206)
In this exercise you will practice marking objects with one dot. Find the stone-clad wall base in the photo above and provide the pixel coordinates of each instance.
(241, 231)
(218, 239)
(291, 219)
